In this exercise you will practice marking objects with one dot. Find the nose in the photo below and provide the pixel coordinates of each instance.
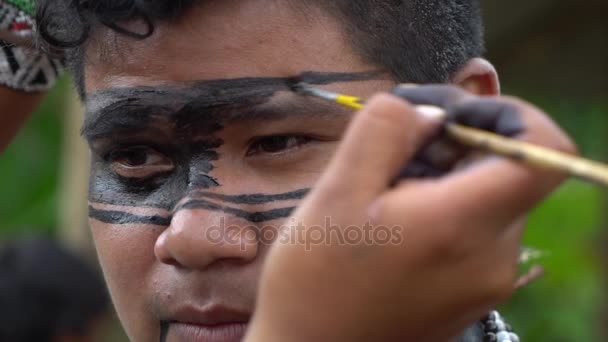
(197, 239)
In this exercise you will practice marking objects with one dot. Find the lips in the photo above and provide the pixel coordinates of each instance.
(213, 324)
(229, 332)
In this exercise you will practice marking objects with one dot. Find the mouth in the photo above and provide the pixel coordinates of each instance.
(215, 324)
(229, 332)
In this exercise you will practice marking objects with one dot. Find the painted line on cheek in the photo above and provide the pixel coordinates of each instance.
(123, 217)
(254, 217)
(256, 198)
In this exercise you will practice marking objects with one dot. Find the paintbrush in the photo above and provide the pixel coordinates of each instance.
(584, 169)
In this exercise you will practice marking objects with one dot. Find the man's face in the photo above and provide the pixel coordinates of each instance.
(199, 148)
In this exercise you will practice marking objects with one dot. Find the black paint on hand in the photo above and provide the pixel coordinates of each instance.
(485, 113)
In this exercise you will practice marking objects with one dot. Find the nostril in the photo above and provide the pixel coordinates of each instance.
(171, 262)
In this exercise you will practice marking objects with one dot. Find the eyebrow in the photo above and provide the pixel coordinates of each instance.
(134, 119)
(130, 109)
(293, 107)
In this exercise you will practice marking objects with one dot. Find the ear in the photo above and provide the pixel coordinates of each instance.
(479, 77)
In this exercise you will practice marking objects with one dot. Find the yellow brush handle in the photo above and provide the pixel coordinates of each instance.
(349, 101)
(581, 168)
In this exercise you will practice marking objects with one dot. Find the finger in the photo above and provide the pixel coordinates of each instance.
(533, 274)
(444, 96)
(381, 139)
(493, 191)
(7, 39)
(419, 168)
(434, 160)
(505, 188)
(489, 114)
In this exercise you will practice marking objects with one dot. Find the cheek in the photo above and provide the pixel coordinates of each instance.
(126, 255)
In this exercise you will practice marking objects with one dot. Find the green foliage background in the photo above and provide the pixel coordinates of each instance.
(567, 303)
(29, 170)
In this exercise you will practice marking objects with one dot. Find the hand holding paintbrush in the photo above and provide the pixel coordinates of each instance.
(442, 101)
(462, 230)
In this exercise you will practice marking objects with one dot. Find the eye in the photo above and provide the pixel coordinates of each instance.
(139, 162)
(277, 144)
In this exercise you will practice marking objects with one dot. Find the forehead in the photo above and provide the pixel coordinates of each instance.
(210, 103)
(220, 40)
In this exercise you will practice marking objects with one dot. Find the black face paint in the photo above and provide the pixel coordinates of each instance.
(164, 331)
(125, 217)
(253, 217)
(257, 198)
(118, 109)
(183, 122)
(204, 154)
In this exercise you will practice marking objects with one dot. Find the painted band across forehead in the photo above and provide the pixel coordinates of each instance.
(129, 107)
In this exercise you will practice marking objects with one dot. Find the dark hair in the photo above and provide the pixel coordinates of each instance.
(421, 41)
(46, 292)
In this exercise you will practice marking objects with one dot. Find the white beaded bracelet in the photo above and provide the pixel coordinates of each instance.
(23, 67)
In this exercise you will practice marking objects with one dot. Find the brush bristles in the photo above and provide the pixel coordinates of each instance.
(300, 88)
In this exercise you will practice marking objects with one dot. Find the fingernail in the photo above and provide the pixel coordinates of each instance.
(433, 113)
(407, 85)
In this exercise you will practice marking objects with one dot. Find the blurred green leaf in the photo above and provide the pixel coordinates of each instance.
(564, 304)
(29, 170)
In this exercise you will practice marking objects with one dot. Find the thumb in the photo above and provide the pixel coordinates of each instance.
(381, 139)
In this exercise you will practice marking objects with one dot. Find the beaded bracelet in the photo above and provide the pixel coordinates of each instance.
(22, 67)
(497, 330)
